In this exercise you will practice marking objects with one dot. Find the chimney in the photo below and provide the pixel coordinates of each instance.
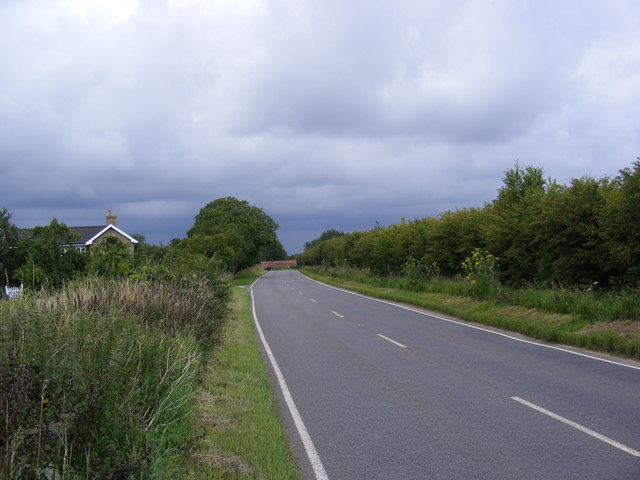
(111, 219)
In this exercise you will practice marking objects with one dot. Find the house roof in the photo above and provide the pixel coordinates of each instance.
(89, 234)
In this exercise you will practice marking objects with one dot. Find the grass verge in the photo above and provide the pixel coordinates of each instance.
(247, 276)
(617, 337)
(241, 436)
(96, 379)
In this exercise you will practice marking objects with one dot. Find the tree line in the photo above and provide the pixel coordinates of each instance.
(227, 235)
(539, 231)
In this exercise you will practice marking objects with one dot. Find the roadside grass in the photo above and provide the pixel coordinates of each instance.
(96, 379)
(137, 379)
(240, 434)
(604, 322)
(247, 276)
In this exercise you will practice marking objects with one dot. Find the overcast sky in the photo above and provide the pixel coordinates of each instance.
(326, 114)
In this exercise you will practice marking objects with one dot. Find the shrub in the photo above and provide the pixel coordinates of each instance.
(413, 271)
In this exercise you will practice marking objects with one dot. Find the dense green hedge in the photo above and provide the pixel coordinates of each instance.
(584, 232)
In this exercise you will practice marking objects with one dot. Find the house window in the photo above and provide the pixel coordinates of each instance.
(81, 248)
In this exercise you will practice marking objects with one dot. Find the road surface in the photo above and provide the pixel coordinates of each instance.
(371, 390)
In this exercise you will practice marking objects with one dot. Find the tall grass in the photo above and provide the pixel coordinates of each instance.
(177, 309)
(96, 380)
(588, 303)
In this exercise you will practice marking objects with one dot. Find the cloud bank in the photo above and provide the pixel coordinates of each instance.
(325, 114)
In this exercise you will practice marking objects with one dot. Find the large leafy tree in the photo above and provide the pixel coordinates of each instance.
(233, 230)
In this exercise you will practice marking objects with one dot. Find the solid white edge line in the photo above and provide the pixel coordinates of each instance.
(309, 447)
(391, 340)
(461, 323)
(577, 426)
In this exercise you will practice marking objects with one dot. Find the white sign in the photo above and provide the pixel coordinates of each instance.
(13, 293)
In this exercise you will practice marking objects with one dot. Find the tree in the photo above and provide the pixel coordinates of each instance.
(571, 249)
(519, 183)
(273, 251)
(232, 229)
(326, 235)
(110, 258)
(142, 240)
(44, 259)
(621, 225)
(452, 237)
(513, 233)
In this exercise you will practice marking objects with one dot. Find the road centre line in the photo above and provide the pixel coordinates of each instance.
(391, 340)
(337, 314)
(475, 327)
(309, 447)
(577, 426)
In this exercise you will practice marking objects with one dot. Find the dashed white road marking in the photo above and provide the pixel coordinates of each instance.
(577, 426)
(314, 301)
(337, 314)
(391, 340)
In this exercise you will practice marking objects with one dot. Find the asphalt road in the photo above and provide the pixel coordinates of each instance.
(385, 392)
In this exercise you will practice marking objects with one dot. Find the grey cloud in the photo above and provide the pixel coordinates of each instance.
(326, 114)
(483, 76)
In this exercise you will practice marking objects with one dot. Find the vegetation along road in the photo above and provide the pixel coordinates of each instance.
(379, 391)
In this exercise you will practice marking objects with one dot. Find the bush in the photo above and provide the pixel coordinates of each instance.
(414, 273)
